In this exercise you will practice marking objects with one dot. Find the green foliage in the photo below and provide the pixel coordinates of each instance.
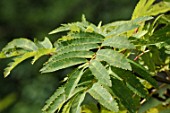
(109, 61)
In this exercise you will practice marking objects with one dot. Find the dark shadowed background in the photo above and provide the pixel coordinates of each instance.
(25, 90)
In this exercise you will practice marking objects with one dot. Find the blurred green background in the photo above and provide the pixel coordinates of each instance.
(26, 90)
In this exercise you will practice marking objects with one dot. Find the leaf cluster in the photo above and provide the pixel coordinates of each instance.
(114, 63)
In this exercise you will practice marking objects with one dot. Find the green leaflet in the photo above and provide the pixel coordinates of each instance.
(141, 7)
(141, 19)
(99, 71)
(146, 8)
(125, 95)
(137, 68)
(73, 54)
(158, 8)
(64, 93)
(46, 43)
(87, 35)
(79, 42)
(16, 61)
(103, 97)
(54, 97)
(80, 35)
(134, 21)
(71, 84)
(122, 29)
(76, 105)
(42, 52)
(62, 28)
(56, 104)
(21, 43)
(118, 42)
(67, 106)
(131, 81)
(61, 64)
(93, 40)
(78, 47)
(114, 58)
(56, 101)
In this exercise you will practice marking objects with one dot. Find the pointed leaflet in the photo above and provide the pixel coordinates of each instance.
(62, 28)
(71, 84)
(125, 95)
(79, 39)
(103, 97)
(140, 7)
(114, 58)
(61, 64)
(134, 21)
(21, 43)
(76, 105)
(57, 104)
(87, 35)
(118, 42)
(54, 97)
(143, 6)
(131, 81)
(56, 101)
(75, 100)
(76, 41)
(73, 54)
(77, 47)
(142, 72)
(99, 71)
(67, 106)
(16, 61)
(122, 29)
